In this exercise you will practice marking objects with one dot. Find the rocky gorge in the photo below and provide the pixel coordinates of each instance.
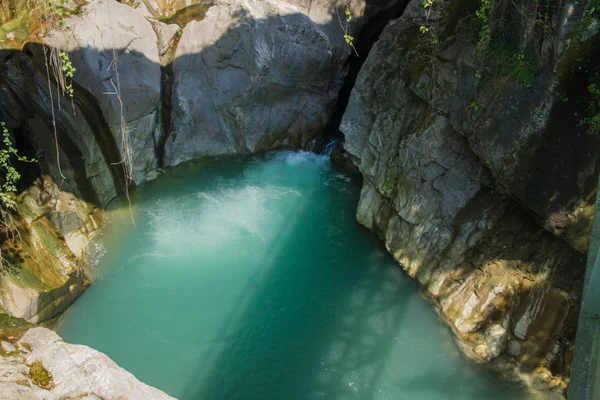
(471, 123)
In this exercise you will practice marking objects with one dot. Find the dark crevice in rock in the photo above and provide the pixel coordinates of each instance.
(164, 114)
(92, 113)
(167, 48)
(65, 143)
(365, 41)
(559, 158)
(165, 107)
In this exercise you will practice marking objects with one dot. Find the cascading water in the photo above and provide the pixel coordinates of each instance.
(248, 278)
(329, 147)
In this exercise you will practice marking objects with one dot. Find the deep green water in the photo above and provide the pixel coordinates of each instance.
(249, 279)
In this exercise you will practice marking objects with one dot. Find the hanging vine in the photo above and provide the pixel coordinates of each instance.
(60, 68)
(126, 158)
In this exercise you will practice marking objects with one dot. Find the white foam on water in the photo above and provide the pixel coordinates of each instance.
(242, 210)
(95, 251)
(329, 147)
(302, 157)
(342, 177)
(231, 213)
(220, 217)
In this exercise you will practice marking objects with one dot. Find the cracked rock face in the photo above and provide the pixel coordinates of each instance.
(74, 371)
(445, 164)
(249, 79)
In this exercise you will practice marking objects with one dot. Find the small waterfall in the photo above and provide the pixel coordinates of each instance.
(328, 149)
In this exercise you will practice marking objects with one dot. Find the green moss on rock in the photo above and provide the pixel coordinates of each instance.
(40, 375)
(12, 328)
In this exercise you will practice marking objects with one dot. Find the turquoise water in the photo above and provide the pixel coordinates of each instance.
(249, 278)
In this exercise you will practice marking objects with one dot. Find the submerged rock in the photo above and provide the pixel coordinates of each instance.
(42, 366)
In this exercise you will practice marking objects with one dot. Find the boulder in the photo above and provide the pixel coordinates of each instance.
(251, 76)
(42, 271)
(70, 371)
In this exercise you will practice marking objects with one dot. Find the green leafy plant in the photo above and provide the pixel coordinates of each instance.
(593, 8)
(428, 6)
(55, 8)
(10, 175)
(68, 70)
(501, 63)
(346, 28)
(485, 31)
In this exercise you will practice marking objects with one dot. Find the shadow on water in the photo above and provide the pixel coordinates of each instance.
(317, 311)
(277, 343)
(325, 322)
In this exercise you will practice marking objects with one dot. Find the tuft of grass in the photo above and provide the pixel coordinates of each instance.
(502, 64)
(522, 68)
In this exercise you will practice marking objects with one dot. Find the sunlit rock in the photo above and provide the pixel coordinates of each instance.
(74, 371)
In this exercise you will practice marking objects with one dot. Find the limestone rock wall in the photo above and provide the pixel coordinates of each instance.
(478, 173)
(200, 78)
(258, 101)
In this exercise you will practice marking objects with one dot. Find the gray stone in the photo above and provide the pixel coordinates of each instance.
(251, 76)
(114, 50)
(77, 370)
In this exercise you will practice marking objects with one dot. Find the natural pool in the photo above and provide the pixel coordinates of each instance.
(248, 278)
